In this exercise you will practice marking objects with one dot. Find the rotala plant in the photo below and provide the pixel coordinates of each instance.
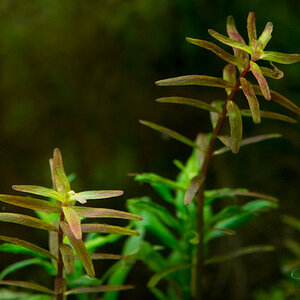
(199, 216)
(65, 232)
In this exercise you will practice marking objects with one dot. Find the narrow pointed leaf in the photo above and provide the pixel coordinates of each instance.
(100, 194)
(215, 116)
(251, 28)
(187, 101)
(274, 73)
(80, 249)
(175, 135)
(266, 35)
(226, 140)
(74, 196)
(73, 220)
(67, 257)
(26, 221)
(38, 190)
(224, 230)
(57, 159)
(53, 243)
(91, 212)
(193, 188)
(217, 50)
(95, 256)
(269, 115)
(252, 100)
(104, 228)
(229, 74)
(27, 285)
(230, 42)
(31, 203)
(236, 126)
(256, 71)
(281, 58)
(194, 80)
(97, 289)
(27, 245)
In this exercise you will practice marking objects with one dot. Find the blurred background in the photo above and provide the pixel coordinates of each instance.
(78, 75)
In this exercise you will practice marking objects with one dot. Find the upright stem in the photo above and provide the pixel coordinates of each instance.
(200, 194)
(59, 276)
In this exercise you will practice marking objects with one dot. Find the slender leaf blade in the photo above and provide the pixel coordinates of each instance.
(251, 29)
(104, 228)
(38, 190)
(95, 256)
(266, 35)
(27, 285)
(100, 194)
(269, 115)
(73, 220)
(193, 188)
(97, 289)
(67, 257)
(274, 73)
(256, 71)
(281, 58)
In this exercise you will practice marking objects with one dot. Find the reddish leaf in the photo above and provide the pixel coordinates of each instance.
(27, 285)
(68, 257)
(261, 80)
(193, 188)
(251, 28)
(107, 229)
(97, 289)
(73, 220)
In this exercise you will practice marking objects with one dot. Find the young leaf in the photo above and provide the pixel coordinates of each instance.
(194, 80)
(27, 285)
(73, 220)
(274, 73)
(187, 101)
(281, 58)
(193, 188)
(252, 100)
(26, 221)
(251, 29)
(269, 115)
(266, 35)
(27, 245)
(95, 256)
(104, 228)
(100, 194)
(80, 249)
(97, 289)
(38, 190)
(217, 50)
(230, 42)
(236, 126)
(256, 71)
(63, 179)
(31, 203)
(171, 133)
(229, 74)
(67, 257)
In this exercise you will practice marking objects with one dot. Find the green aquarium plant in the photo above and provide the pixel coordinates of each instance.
(67, 252)
(197, 221)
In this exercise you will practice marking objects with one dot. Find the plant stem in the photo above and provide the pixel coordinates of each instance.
(200, 194)
(60, 275)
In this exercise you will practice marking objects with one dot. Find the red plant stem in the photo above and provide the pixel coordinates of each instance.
(59, 275)
(200, 194)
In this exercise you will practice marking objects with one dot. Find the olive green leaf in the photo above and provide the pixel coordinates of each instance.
(95, 256)
(100, 194)
(274, 73)
(229, 74)
(256, 71)
(215, 116)
(104, 228)
(97, 289)
(193, 188)
(73, 220)
(27, 285)
(266, 35)
(269, 115)
(281, 58)
(63, 179)
(67, 257)
(251, 29)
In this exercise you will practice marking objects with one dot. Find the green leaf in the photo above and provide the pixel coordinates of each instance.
(269, 115)
(104, 228)
(251, 29)
(27, 245)
(100, 194)
(215, 116)
(230, 42)
(194, 80)
(281, 58)
(73, 220)
(259, 205)
(256, 71)
(38, 190)
(171, 133)
(31, 203)
(63, 180)
(266, 35)
(236, 126)
(217, 50)
(27, 285)
(188, 101)
(193, 188)
(67, 257)
(16, 249)
(95, 256)
(229, 74)
(97, 289)
(154, 280)
(238, 253)
(223, 230)
(291, 221)
(226, 212)
(274, 73)
(53, 243)
(80, 249)
(252, 100)
(26, 221)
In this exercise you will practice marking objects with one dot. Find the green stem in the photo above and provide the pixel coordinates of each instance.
(200, 194)
(60, 275)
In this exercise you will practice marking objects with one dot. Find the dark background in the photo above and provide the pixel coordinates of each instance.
(79, 74)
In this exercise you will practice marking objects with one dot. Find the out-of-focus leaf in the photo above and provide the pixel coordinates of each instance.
(97, 289)
(252, 100)
(73, 220)
(238, 253)
(27, 245)
(226, 140)
(53, 243)
(16, 249)
(224, 230)
(293, 246)
(59, 285)
(251, 29)
(158, 294)
(291, 221)
(31, 203)
(187, 101)
(100, 194)
(269, 115)
(251, 140)
(99, 241)
(7, 294)
(28, 262)
(266, 35)
(27, 285)
(229, 74)
(282, 58)
(236, 126)
(226, 212)
(217, 50)
(164, 273)
(259, 205)
(95, 256)
(67, 257)
(26, 221)
(104, 228)
(38, 190)
(91, 212)
(275, 73)
(256, 71)
(175, 135)
(194, 80)
(80, 249)
(193, 188)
